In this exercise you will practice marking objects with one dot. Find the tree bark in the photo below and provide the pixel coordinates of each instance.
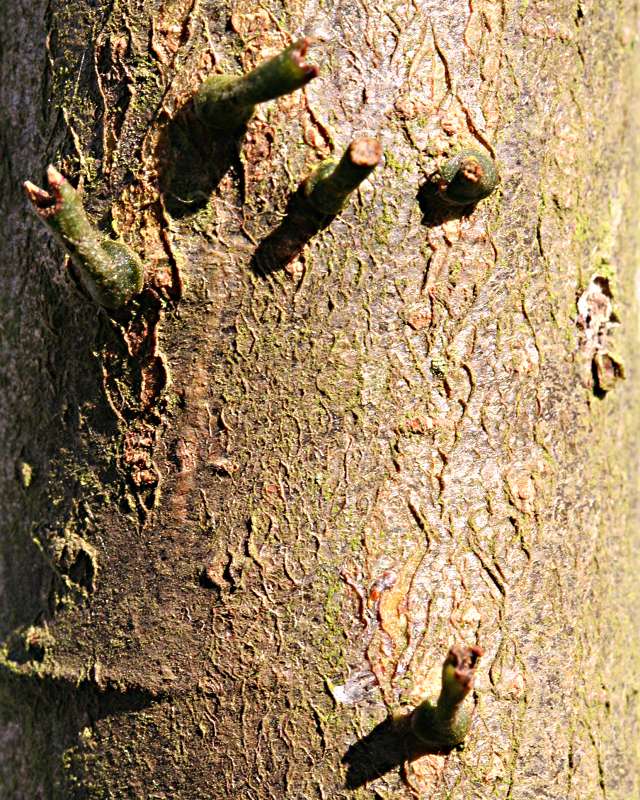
(244, 518)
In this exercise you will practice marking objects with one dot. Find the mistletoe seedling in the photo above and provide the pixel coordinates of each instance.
(109, 270)
(225, 103)
(446, 724)
(199, 145)
(457, 186)
(320, 196)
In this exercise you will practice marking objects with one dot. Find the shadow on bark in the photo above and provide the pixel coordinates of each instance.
(389, 745)
(66, 402)
(284, 244)
(436, 211)
(192, 161)
(97, 701)
(57, 719)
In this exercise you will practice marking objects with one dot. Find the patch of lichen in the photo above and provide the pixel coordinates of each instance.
(616, 589)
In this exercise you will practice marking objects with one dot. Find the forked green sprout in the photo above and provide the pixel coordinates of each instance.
(225, 103)
(110, 271)
(446, 724)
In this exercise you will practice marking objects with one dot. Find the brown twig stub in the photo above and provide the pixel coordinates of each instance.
(46, 204)
(298, 52)
(365, 152)
(464, 661)
(471, 170)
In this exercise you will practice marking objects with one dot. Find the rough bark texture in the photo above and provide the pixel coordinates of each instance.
(389, 446)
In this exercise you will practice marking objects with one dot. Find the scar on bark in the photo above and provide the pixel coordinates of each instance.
(455, 189)
(431, 728)
(200, 144)
(318, 199)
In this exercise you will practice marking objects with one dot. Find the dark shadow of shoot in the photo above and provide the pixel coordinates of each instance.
(284, 244)
(193, 161)
(389, 745)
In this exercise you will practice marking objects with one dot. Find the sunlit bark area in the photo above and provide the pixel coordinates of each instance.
(245, 516)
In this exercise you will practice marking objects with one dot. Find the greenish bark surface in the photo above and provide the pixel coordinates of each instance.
(244, 519)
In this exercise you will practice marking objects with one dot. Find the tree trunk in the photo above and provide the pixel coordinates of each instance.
(244, 518)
